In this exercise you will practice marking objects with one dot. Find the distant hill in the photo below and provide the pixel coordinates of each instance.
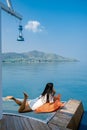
(34, 57)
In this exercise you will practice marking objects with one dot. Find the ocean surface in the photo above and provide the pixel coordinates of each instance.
(70, 80)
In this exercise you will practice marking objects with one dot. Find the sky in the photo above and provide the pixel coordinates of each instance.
(51, 26)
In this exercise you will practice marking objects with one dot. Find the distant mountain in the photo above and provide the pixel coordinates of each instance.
(34, 57)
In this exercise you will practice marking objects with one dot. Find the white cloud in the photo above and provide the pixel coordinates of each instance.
(34, 26)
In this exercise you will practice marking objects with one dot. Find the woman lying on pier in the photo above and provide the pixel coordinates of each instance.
(46, 102)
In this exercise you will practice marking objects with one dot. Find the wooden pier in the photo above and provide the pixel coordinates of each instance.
(67, 118)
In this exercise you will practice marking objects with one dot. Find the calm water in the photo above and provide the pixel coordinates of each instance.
(70, 80)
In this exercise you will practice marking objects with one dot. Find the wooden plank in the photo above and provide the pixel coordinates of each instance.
(71, 106)
(25, 127)
(3, 123)
(16, 123)
(10, 123)
(27, 124)
(38, 125)
(55, 127)
(6, 122)
(20, 124)
(60, 119)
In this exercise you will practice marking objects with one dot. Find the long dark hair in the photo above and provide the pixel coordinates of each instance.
(48, 90)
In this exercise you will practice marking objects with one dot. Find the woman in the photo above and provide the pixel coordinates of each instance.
(30, 105)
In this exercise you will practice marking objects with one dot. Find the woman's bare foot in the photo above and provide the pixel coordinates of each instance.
(9, 97)
(25, 95)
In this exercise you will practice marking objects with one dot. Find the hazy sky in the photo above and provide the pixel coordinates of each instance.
(56, 26)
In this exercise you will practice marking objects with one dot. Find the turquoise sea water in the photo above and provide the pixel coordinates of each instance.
(70, 80)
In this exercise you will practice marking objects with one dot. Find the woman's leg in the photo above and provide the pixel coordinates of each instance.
(14, 99)
(24, 106)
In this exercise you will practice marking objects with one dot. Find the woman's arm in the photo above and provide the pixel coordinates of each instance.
(57, 97)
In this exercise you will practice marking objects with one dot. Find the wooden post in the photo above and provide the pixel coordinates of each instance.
(0, 70)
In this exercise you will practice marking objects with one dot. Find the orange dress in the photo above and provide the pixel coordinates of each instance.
(50, 107)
